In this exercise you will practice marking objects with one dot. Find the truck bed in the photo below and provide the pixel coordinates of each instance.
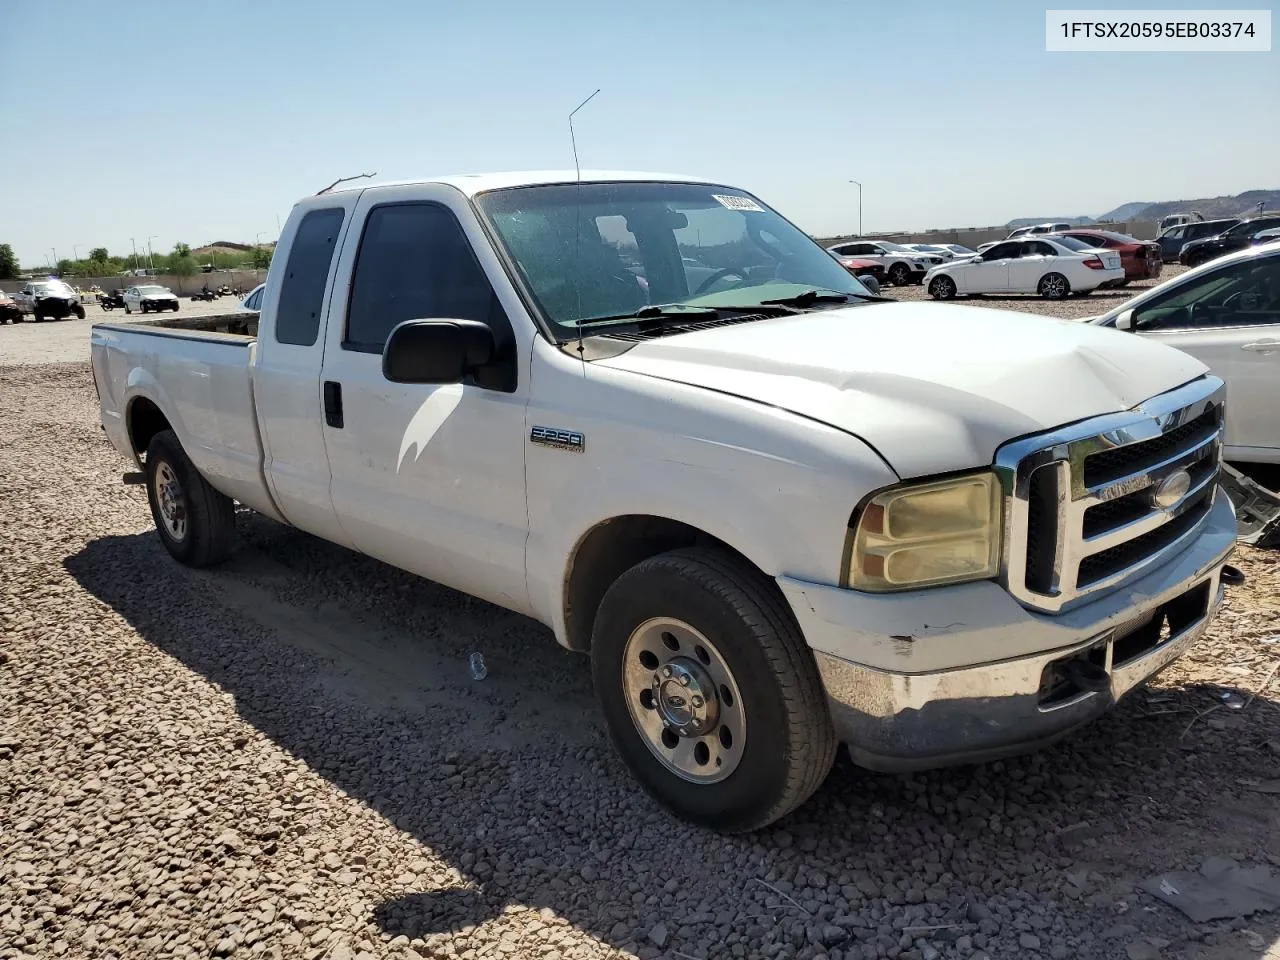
(199, 372)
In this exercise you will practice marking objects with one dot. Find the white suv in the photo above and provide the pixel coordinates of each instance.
(902, 265)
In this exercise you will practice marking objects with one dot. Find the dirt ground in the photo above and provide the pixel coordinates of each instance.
(286, 757)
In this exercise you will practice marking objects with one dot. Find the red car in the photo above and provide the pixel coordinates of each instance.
(860, 268)
(1141, 259)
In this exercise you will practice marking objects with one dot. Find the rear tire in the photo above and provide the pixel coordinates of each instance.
(942, 288)
(721, 620)
(1053, 286)
(196, 523)
(126, 309)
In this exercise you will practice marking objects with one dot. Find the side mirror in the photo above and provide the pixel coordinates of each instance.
(870, 282)
(436, 351)
(1124, 320)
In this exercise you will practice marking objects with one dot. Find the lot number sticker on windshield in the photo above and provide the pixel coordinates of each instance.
(738, 203)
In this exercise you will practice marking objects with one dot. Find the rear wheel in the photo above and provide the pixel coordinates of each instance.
(899, 274)
(196, 523)
(710, 693)
(942, 288)
(1053, 286)
(127, 309)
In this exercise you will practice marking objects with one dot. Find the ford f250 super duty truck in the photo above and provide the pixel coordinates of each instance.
(778, 512)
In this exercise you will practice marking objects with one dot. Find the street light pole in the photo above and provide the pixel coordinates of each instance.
(133, 243)
(859, 186)
(151, 261)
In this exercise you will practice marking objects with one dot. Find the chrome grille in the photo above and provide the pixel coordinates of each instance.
(1081, 507)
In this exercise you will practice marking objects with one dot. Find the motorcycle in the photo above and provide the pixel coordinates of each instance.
(109, 301)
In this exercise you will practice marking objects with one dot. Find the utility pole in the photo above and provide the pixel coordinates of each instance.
(151, 261)
(859, 186)
(133, 243)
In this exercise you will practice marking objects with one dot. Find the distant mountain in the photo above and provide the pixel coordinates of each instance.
(1032, 221)
(1211, 208)
(1126, 211)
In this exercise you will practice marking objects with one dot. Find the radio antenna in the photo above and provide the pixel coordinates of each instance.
(577, 213)
(358, 176)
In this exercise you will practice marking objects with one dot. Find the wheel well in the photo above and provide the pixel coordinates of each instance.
(610, 549)
(145, 421)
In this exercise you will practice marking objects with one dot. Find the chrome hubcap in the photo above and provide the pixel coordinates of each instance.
(684, 700)
(173, 510)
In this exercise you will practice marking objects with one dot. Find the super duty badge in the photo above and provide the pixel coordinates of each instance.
(560, 439)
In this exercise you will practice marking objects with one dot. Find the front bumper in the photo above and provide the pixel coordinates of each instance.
(55, 307)
(904, 689)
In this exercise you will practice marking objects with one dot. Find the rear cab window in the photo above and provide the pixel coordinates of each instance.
(306, 275)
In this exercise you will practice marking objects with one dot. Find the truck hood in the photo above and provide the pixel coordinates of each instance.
(932, 387)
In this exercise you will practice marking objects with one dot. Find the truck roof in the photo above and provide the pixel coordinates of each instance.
(474, 183)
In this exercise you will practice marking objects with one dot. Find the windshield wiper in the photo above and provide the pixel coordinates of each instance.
(654, 311)
(807, 298)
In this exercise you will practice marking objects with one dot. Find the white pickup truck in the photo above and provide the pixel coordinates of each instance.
(778, 512)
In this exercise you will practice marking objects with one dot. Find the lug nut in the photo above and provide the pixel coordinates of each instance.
(684, 681)
(666, 671)
(697, 701)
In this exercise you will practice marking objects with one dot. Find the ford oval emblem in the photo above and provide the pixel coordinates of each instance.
(1171, 489)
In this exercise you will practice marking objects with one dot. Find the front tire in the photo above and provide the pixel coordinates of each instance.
(196, 523)
(79, 310)
(942, 288)
(1053, 286)
(127, 309)
(899, 274)
(711, 695)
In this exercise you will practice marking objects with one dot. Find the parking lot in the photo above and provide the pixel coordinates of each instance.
(286, 757)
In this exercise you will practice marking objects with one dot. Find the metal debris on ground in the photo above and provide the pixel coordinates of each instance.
(1257, 508)
(478, 668)
(1221, 889)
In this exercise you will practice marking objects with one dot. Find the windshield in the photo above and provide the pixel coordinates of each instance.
(51, 287)
(896, 247)
(609, 249)
(152, 288)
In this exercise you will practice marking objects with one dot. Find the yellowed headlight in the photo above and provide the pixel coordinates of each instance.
(928, 534)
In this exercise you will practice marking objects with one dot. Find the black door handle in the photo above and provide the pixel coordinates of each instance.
(333, 404)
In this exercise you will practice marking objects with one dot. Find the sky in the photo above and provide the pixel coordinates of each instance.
(199, 122)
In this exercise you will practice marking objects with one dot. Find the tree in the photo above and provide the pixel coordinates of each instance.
(66, 268)
(181, 250)
(183, 266)
(99, 255)
(8, 263)
(262, 257)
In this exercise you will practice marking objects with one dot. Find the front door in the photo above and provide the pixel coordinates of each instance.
(429, 478)
(1230, 320)
(990, 273)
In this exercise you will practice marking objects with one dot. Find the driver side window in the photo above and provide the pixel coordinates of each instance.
(1242, 295)
(1003, 251)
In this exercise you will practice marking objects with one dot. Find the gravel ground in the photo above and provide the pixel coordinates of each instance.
(286, 757)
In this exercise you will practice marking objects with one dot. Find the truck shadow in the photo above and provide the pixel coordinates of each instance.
(361, 672)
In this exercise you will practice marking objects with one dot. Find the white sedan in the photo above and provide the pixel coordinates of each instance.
(1226, 314)
(148, 297)
(1053, 267)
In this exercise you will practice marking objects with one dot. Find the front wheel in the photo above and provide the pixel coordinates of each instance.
(942, 288)
(709, 691)
(79, 312)
(196, 523)
(127, 309)
(1053, 286)
(899, 274)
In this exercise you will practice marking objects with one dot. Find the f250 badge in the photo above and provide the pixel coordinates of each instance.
(560, 439)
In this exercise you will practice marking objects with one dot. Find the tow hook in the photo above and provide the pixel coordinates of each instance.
(1087, 676)
(1231, 576)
